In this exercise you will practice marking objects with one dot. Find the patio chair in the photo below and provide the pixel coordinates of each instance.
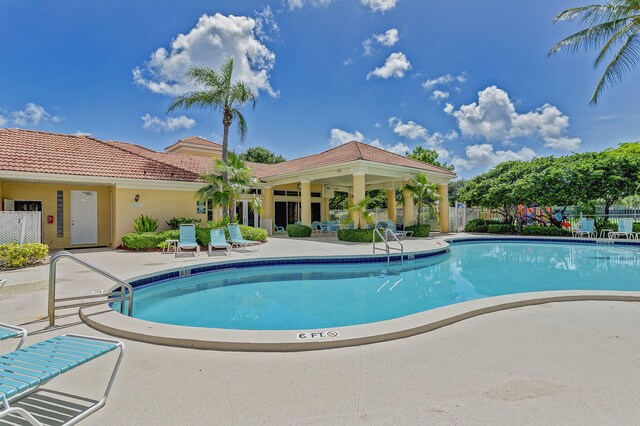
(315, 226)
(218, 241)
(235, 237)
(188, 240)
(399, 234)
(625, 228)
(334, 227)
(2, 282)
(24, 371)
(585, 227)
(279, 229)
(12, 332)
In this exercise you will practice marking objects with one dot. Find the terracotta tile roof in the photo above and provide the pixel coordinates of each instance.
(348, 152)
(197, 140)
(44, 152)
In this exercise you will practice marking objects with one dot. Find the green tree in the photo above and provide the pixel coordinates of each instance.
(614, 29)
(223, 191)
(258, 154)
(425, 194)
(361, 212)
(454, 188)
(220, 94)
(429, 156)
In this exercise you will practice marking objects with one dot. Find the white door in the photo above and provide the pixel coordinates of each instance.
(84, 217)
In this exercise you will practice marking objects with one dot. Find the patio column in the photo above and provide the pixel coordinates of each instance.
(305, 201)
(358, 194)
(325, 209)
(391, 204)
(267, 208)
(443, 190)
(407, 217)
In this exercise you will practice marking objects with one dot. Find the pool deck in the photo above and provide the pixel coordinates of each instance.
(556, 363)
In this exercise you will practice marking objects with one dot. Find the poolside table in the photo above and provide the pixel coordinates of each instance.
(605, 232)
(170, 244)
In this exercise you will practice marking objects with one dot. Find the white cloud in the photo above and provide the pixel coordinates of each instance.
(31, 115)
(395, 66)
(379, 5)
(410, 129)
(169, 124)
(388, 38)
(299, 4)
(439, 95)
(340, 137)
(266, 26)
(213, 40)
(81, 133)
(443, 80)
(448, 108)
(399, 148)
(483, 156)
(494, 117)
(377, 125)
(347, 62)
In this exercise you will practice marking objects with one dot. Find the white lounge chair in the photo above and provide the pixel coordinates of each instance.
(188, 240)
(585, 227)
(24, 371)
(625, 228)
(12, 332)
(235, 237)
(218, 241)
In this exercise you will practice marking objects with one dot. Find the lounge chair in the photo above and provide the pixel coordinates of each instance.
(279, 229)
(399, 234)
(2, 282)
(23, 371)
(585, 227)
(315, 226)
(625, 228)
(235, 237)
(188, 240)
(11, 332)
(219, 241)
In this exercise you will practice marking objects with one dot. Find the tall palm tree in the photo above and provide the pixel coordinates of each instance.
(360, 211)
(425, 194)
(614, 28)
(221, 94)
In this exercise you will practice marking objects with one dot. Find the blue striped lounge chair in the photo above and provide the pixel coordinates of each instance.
(218, 241)
(235, 237)
(625, 229)
(585, 227)
(12, 332)
(24, 371)
(188, 240)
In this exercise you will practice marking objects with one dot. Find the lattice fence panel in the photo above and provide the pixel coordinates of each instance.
(20, 227)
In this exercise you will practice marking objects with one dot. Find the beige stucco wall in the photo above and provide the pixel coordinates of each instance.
(214, 154)
(47, 193)
(161, 204)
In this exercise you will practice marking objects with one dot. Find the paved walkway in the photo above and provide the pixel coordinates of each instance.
(562, 363)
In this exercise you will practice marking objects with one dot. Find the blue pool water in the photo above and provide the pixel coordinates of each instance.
(321, 296)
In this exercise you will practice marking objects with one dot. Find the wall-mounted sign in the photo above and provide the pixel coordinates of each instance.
(136, 204)
(201, 207)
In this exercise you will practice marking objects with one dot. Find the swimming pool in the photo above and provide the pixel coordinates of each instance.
(297, 297)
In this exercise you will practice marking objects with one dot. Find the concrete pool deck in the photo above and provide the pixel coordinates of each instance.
(557, 363)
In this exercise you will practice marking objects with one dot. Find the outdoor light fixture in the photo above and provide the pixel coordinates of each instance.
(136, 198)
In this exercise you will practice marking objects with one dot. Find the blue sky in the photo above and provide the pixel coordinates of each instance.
(470, 79)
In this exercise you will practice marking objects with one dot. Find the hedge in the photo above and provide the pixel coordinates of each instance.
(152, 240)
(14, 255)
(357, 235)
(298, 231)
(501, 228)
(480, 225)
(546, 231)
(420, 231)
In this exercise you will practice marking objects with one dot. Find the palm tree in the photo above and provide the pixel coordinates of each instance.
(613, 26)
(223, 191)
(360, 210)
(220, 94)
(425, 194)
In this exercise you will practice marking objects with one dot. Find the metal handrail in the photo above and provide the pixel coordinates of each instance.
(124, 294)
(387, 248)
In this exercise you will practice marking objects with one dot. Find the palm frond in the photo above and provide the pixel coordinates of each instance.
(589, 38)
(202, 99)
(624, 60)
(589, 15)
(242, 124)
(241, 93)
(624, 32)
(226, 74)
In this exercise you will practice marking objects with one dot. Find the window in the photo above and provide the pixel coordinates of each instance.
(316, 194)
(282, 193)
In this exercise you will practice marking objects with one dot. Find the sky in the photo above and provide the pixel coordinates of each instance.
(469, 79)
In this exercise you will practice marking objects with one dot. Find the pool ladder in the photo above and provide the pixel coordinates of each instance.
(121, 292)
(384, 236)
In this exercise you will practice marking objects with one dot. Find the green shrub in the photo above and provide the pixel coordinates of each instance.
(298, 231)
(14, 255)
(502, 228)
(636, 227)
(357, 235)
(547, 231)
(148, 240)
(419, 231)
(601, 224)
(175, 222)
(220, 223)
(479, 225)
(254, 234)
(144, 223)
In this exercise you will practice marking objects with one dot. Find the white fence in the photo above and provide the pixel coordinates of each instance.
(20, 227)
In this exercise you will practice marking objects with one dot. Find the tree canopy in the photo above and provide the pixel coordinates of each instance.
(259, 154)
(429, 156)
